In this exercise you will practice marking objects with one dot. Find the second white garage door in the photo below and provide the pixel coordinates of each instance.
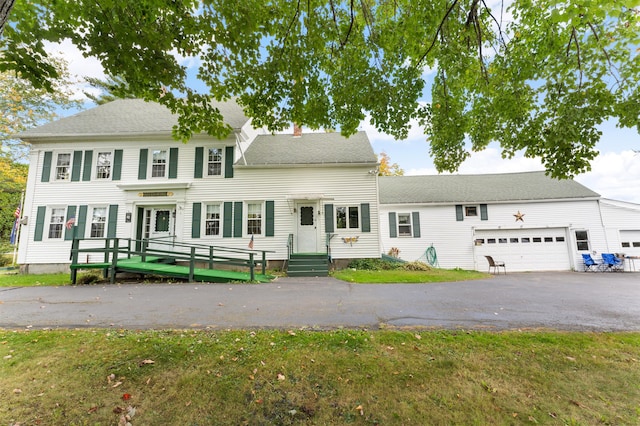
(541, 249)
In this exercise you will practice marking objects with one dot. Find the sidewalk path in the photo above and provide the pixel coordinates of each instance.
(558, 300)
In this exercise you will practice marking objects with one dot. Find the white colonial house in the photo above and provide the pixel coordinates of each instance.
(116, 171)
(527, 220)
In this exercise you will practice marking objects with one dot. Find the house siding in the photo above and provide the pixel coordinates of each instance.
(341, 185)
(453, 239)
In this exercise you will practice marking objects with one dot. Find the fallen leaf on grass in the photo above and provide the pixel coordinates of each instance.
(281, 377)
(92, 410)
(146, 362)
(360, 410)
(116, 385)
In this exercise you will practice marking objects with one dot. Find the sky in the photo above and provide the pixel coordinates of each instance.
(615, 172)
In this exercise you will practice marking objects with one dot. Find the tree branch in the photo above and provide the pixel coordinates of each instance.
(606, 54)
(435, 37)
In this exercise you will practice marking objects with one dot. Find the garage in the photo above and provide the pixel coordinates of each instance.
(535, 249)
(630, 242)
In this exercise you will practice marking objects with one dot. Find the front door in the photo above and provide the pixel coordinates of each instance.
(307, 229)
(159, 226)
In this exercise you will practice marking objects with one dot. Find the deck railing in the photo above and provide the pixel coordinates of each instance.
(120, 248)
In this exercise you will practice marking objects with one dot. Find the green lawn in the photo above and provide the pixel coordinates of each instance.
(403, 276)
(388, 377)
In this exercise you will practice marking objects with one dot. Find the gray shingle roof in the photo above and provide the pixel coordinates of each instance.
(310, 148)
(125, 117)
(478, 188)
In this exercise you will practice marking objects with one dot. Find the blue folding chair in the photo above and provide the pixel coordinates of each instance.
(612, 263)
(590, 264)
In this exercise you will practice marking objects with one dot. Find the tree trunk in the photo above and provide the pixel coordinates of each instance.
(5, 9)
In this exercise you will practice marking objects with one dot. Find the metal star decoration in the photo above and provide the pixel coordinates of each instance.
(519, 216)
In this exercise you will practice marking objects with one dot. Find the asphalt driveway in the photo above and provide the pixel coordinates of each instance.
(556, 300)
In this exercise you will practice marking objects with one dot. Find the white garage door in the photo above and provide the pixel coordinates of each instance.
(630, 242)
(544, 249)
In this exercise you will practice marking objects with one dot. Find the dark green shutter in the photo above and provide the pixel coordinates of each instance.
(88, 160)
(173, 163)
(81, 221)
(197, 167)
(117, 164)
(46, 168)
(459, 213)
(227, 228)
(68, 233)
(328, 218)
(228, 161)
(415, 221)
(366, 217)
(76, 165)
(112, 224)
(237, 219)
(142, 164)
(139, 228)
(393, 229)
(269, 219)
(484, 215)
(42, 210)
(195, 220)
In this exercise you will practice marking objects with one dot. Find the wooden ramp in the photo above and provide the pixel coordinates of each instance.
(120, 259)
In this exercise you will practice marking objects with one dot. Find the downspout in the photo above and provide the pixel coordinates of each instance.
(604, 229)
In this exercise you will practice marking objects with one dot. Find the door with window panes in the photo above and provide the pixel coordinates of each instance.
(159, 225)
(307, 228)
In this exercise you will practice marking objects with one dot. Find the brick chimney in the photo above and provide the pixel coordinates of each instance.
(297, 130)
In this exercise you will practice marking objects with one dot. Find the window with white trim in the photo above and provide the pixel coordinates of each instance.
(471, 210)
(98, 222)
(63, 166)
(254, 218)
(213, 219)
(347, 217)
(159, 163)
(56, 222)
(214, 162)
(103, 165)
(404, 225)
(582, 240)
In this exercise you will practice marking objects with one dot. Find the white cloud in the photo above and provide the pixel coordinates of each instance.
(615, 175)
(79, 66)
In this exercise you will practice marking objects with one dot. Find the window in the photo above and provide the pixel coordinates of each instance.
(103, 165)
(214, 162)
(347, 217)
(471, 211)
(513, 240)
(582, 240)
(548, 239)
(491, 240)
(98, 221)
(212, 220)
(559, 239)
(159, 163)
(502, 240)
(254, 218)
(525, 240)
(63, 167)
(626, 244)
(537, 239)
(404, 225)
(636, 243)
(56, 223)
(162, 221)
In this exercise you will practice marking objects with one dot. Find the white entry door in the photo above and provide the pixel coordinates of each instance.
(307, 229)
(159, 225)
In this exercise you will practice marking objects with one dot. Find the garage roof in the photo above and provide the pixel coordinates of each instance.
(479, 188)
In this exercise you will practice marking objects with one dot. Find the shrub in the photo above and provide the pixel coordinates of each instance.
(90, 278)
(373, 265)
(5, 260)
(416, 266)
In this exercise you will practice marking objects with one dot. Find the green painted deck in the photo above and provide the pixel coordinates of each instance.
(152, 267)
